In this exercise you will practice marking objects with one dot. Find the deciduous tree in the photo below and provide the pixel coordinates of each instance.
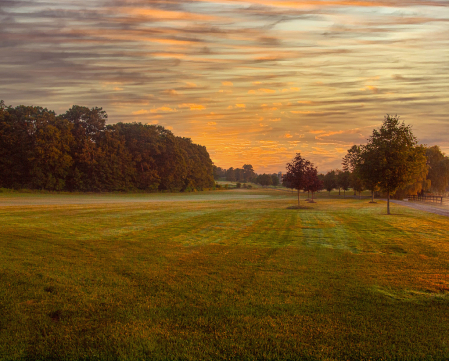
(392, 157)
(297, 171)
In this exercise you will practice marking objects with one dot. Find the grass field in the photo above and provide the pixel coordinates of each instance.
(220, 275)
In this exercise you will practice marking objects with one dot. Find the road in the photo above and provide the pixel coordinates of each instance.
(423, 207)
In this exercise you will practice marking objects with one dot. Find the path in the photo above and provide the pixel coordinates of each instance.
(423, 207)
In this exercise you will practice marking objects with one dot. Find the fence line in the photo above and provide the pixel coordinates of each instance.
(438, 199)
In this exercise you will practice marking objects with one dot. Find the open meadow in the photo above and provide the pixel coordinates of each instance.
(220, 275)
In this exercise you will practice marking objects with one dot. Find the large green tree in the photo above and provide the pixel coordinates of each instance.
(438, 169)
(344, 181)
(392, 157)
(330, 181)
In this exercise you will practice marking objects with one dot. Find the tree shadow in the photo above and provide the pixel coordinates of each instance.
(299, 207)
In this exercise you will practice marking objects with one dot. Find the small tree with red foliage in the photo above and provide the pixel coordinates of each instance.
(297, 171)
(314, 183)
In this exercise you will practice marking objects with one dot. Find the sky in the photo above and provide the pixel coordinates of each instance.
(254, 81)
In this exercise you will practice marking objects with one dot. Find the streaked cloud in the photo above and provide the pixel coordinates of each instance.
(193, 106)
(254, 71)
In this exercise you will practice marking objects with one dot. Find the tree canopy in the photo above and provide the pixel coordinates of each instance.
(77, 151)
(298, 173)
(391, 159)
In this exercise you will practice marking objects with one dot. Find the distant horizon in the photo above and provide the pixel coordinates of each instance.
(254, 81)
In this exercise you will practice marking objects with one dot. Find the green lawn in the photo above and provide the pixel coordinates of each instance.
(221, 275)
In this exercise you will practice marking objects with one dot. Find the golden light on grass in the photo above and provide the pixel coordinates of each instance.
(182, 275)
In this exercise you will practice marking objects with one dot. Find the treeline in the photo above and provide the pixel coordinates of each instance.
(77, 151)
(427, 169)
(341, 180)
(244, 174)
(267, 179)
(393, 163)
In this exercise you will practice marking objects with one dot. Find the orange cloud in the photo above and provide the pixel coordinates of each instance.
(169, 55)
(293, 89)
(159, 14)
(163, 109)
(140, 112)
(240, 105)
(227, 83)
(170, 92)
(193, 106)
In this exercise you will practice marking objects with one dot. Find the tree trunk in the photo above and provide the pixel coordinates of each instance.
(339, 192)
(344, 193)
(298, 197)
(372, 196)
(388, 202)
(312, 196)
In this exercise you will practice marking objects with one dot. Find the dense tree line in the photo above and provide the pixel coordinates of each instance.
(244, 174)
(77, 151)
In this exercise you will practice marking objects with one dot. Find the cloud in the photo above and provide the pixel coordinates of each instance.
(193, 106)
(140, 112)
(139, 58)
(292, 89)
(265, 90)
(170, 92)
(162, 109)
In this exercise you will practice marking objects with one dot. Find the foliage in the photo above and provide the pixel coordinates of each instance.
(392, 158)
(264, 179)
(298, 173)
(438, 169)
(344, 180)
(77, 151)
(314, 184)
(330, 181)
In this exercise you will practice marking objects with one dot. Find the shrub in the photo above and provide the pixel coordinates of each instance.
(238, 185)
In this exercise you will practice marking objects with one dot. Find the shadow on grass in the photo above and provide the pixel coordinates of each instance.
(299, 207)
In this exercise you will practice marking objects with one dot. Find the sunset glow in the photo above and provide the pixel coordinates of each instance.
(254, 81)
